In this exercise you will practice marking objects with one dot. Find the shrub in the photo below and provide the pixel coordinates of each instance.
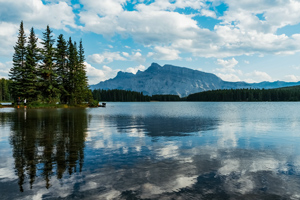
(93, 103)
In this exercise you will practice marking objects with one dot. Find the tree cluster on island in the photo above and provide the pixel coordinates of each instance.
(49, 74)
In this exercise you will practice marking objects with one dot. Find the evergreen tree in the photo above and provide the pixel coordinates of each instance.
(47, 69)
(30, 69)
(74, 93)
(61, 66)
(50, 72)
(1, 89)
(72, 61)
(16, 72)
(4, 90)
(81, 89)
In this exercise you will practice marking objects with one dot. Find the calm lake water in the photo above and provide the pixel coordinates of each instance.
(156, 150)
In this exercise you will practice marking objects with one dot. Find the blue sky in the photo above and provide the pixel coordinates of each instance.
(249, 40)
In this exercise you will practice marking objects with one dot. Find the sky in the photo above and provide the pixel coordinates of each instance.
(238, 40)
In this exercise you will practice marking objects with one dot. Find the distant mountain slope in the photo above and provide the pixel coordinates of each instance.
(181, 81)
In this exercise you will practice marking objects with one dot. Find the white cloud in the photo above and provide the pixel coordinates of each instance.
(189, 59)
(291, 78)
(228, 77)
(138, 57)
(228, 65)
(135, 56)
(57, 1)
(125, 54)
(145, 27)
(158, 24)
(150, 54)
(243, 14)
(258, 76)
(159, 5)
(247, 62)
(4, 69)
(208, 13)
(104, 7)
(136, 69)
(97, 75)
(58, 15)
(164, 53)
(106, 57)
(8, 37)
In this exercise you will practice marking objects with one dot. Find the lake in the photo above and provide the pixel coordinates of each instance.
(152, 150)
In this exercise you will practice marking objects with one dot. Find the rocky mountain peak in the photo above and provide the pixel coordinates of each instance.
(176, 80)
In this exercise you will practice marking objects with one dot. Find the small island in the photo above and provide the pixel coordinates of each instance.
(51, 76)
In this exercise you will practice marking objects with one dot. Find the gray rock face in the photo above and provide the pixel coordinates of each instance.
(181, 81)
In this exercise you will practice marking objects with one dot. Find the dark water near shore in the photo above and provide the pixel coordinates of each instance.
(156, 150)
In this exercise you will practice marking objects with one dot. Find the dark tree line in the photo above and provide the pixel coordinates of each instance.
(51, 73)
(280, 94)
(130, 96)
(4, 90)
(165, 98)
(119, 95)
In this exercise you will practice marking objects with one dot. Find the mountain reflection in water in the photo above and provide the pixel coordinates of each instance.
(208, 151)
(155, 126)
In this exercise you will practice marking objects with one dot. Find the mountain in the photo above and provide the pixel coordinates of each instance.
(169, 79)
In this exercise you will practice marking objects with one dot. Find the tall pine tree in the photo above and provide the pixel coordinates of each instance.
(30, 69)
(61, 66)
(72, 61)
(82, 89)
(17, 71)
(48, 72)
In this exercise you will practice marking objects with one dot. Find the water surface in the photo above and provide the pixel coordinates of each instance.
(159, 150)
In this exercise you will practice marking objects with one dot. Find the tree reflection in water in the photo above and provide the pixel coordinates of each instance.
(48, 143)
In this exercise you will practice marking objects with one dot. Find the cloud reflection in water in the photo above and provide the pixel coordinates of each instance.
(156, 157)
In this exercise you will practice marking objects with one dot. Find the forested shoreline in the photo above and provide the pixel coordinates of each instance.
(130, 96)
(279, 94)
(49, 74)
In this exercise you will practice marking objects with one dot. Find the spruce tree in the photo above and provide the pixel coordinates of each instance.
(61, 66)
(72, 60)
(75, 75)
(17, 71)
(1, 89)
(30, 70)
(48, 72)
(82, 85)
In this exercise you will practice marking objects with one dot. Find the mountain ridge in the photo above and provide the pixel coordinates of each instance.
(182, 81)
